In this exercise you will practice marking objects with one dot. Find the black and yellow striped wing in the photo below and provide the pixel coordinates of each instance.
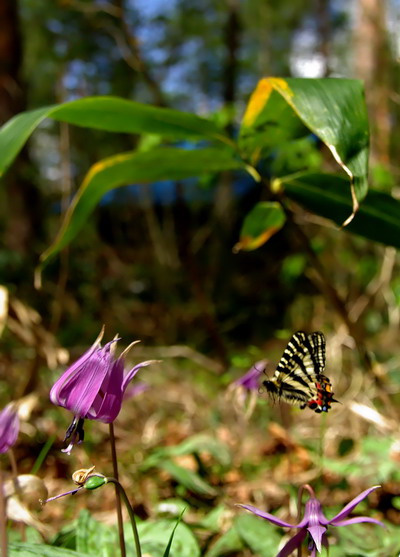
(299, 378)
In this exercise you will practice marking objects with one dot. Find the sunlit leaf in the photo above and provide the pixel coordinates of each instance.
(262, 222)
(110, 114)
(143, 167)
(332, 109)
(268, 122)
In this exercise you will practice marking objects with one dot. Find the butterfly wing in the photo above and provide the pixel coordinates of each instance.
(299, 378)
(316, 343)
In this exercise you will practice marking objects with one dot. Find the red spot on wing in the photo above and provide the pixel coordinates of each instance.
(322, 402)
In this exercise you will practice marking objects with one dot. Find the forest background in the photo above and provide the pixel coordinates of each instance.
(157, 262)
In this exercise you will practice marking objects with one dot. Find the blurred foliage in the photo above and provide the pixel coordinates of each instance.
(157, 263)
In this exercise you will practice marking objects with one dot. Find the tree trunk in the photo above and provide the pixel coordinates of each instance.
(372, 65)
(22, 204)
(323, 10)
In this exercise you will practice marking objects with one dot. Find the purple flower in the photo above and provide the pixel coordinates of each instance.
(93, 387)
(9, 427)
(243, 391)
(251, 379)
(314, 522)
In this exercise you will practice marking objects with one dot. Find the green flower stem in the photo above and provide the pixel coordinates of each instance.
(125, 499)
(117, 492)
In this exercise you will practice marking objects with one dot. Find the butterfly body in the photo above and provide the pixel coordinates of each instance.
(299, 377)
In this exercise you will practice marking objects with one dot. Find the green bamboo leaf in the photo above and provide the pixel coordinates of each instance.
(328, 195)
(15, 132)
(262, 222)
(144, 167)
(332, 109)
(110, 114)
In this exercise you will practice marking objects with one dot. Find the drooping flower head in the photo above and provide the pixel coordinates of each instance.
(9, 427)
(243, 391)
(93, 387)
(250, 381)
(314, 523)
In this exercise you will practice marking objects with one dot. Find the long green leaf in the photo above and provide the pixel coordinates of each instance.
(199, 443)
(169, 544)
(150, 166)
(332, 109)
(188, 478)
(110, 114)
(42, 550)
(328, 195)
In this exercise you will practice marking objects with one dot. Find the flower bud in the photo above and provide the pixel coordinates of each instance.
(93, 482)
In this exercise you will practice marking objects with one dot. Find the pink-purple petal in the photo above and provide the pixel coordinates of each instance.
(293, 544)
(131, 373)
(316, 532)
(353, 503)
(78, 390)
(108, 401)
(78, 394)
(135, 390)
(267, 516)
(251, 379)
(356, 520)
(57, 388)
(9, 427)
(107, 407)
(313, 514)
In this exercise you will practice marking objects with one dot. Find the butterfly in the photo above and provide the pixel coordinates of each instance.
(299, 377)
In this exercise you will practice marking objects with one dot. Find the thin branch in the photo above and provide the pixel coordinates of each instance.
(126, 42)
(88, 7)
(130, 52)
